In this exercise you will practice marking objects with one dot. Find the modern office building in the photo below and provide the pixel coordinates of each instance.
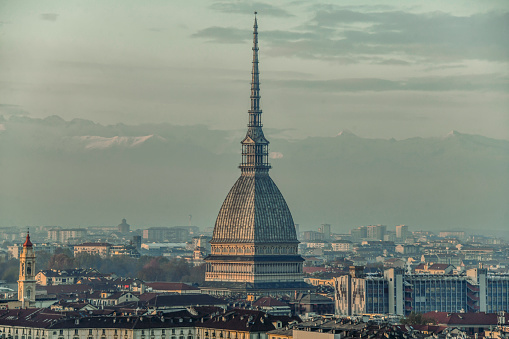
(254, 243)
(398, 293)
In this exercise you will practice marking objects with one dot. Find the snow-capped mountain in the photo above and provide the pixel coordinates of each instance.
(79, 172)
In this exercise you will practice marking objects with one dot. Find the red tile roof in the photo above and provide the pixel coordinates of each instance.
(465, 319)
(170, 286)
(438, 267)
(268, 301)
(313, 269)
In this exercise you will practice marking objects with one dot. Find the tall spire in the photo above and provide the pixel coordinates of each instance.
(255, 73)
(255, 148)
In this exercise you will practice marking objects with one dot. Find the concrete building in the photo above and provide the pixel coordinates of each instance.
(402, 232)
(94, 248)
(342, 246)
(460, 235)
(254, 243)
(399, 293)
(326, 230)
(172, 234)
(376, 232)
(359, 233)
(66, 236)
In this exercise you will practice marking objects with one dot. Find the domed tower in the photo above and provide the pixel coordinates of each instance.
(26, 282)
(254, 244)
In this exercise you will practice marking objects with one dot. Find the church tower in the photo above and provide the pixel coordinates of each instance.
(254, 244)
(26, 282)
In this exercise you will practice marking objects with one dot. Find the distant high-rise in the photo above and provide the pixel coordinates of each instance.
(254, 243)
(376, 232)
(402, 232)
(325, 229)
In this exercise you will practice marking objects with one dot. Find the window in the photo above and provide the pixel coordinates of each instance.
(90, 332)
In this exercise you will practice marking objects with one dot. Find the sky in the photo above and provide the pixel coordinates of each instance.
(380, 69)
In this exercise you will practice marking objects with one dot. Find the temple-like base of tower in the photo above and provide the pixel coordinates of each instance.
(257, 289)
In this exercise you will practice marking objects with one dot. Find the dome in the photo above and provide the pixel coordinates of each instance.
(254, 212)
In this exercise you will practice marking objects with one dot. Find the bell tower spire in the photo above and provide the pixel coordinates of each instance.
(26, 282)
(255, 148)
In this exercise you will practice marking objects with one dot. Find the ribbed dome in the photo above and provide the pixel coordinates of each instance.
(254, 211)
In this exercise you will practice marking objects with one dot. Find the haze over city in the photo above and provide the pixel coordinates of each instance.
(394, 113)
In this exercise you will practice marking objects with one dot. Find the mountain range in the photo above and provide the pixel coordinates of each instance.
(70, 173)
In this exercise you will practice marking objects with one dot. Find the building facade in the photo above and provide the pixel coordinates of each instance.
(402, 232)
(64, 236)
(254, 244)
(94, 248)
(398, 293)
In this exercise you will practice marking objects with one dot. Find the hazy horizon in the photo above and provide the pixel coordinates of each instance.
(162, 91)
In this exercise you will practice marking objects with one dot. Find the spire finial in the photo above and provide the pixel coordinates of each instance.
(255, 148)
(27, 243)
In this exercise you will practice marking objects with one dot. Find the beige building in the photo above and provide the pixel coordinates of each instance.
(342, 246)
(66, 236)
(95, 248)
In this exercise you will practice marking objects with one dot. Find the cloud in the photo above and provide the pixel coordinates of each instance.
(49, 16)
(490, 82)
(250, 8)
(383, 37)
(433, 36)
(224, 35)
(395, 62)
(275, 155)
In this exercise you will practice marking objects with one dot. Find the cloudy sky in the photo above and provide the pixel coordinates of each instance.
(381, 69)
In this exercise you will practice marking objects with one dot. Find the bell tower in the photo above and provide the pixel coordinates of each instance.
(26, 282)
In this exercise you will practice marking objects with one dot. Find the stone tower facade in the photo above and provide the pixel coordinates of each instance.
(26, 282)
(254, 243)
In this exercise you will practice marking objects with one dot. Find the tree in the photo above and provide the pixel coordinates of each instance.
(152, 271)
(60, 262)
(415, 318)
(10, 271)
